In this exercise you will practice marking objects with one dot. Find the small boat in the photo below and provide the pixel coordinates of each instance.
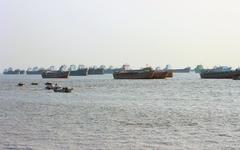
(34, 83)
(63, 90)
(20, 84)
(48, 83)
(51, 86)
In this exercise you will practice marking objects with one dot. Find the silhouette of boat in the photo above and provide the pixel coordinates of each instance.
(221, 72)
(10, 71)
(96, 71)
(35, 71)
(81, 71)
(56, 74)
(145, 73)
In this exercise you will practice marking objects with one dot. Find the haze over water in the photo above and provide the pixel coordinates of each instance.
(184, 112)
(109, 32)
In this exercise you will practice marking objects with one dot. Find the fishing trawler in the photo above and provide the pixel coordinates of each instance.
(56, 73)
(81, 71)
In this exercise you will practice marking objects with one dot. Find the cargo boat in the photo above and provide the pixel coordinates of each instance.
(220, 73)
(55, 74)
(81, 71)
(10, 71)
(145, 73)
(95, 71)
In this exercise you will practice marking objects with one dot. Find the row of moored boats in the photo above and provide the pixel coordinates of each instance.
(124, 72)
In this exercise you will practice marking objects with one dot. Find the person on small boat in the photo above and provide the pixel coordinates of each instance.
(20, 84)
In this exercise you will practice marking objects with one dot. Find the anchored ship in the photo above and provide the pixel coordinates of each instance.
(221, 72)
(10, 71)
(96, 71)
(145, 73)
(56, 74)
(81, 71)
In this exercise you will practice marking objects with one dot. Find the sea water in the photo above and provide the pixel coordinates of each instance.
(181, 113)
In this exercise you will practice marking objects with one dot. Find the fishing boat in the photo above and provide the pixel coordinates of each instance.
(221, 72)
(56, 74)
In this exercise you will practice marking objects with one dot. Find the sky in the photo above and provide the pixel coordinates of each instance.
(115, 32)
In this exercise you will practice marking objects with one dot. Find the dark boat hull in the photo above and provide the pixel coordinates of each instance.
(80, 72)
(219, 75)
(55, 74)
(97, 71)
(133, 75)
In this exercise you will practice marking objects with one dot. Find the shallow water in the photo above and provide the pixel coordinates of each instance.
(184, 112)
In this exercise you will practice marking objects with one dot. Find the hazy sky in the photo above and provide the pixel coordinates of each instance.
(113, 32)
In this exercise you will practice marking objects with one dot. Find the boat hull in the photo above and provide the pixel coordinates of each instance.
(133, 75)
(162, 74)
(219, 75)
(55, 74)
(80, 72)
